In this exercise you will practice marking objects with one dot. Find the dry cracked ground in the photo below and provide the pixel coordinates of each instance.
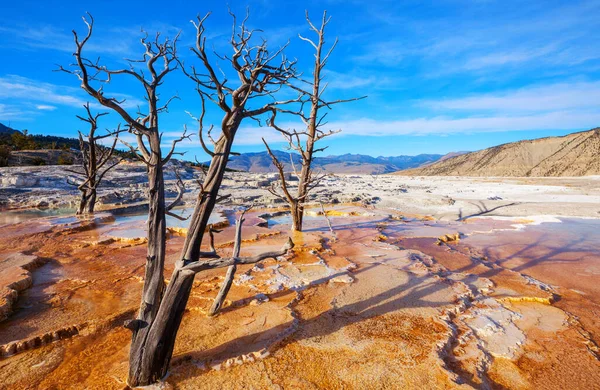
(383, 299)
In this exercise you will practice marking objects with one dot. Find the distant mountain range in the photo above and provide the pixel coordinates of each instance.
(261, 162)
(576, 154)
(7, 130)
(346, 163)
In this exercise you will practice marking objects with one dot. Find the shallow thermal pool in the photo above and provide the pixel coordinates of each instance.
(129, 225)
(286, 219)
(565, 253)
(134, 225)
(9, 217)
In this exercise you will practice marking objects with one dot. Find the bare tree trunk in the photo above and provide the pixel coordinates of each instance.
(229, 275)
(297, 211)
(82, 203)
(220, 298)
(94, 158)
(155, 357)
(152, 346)
(154, 340)
(154, 278)
(91, 201)
(312, 133)
(87, 202)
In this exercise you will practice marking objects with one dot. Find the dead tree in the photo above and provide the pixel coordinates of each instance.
(95, 161)
(159, 60)
(303, 141)
(158, 320)
(258, 78)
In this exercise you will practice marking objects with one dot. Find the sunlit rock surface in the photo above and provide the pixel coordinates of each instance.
(379, 302)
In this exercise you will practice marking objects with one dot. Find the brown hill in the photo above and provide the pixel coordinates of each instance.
(576, 154)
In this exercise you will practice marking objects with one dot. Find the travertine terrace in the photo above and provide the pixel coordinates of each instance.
(420, 283)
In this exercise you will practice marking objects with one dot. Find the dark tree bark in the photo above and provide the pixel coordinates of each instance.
(88, 202)
(96, 161)
(304, 141)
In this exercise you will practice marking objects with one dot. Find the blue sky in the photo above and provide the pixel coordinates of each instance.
(440, 76)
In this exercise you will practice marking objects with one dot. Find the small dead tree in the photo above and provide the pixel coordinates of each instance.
(303, 141)
(95, 161)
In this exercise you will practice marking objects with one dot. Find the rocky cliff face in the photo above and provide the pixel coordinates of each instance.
(576, 154)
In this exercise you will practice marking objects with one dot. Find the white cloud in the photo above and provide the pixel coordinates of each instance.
(515, 56)
(359, 80)
(440, 126)
(249, 135)
(45, 107)
(17, 87)
(545, 107)
(536, 36)
(9, 112)
(40, 37)
(29, 90)
(246, 135)
(443, 125)
(121, 41)
(562, 96)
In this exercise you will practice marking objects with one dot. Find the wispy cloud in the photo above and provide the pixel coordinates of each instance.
(518, 56)
(10, 112)
(539, 107)
(26, 90)
(536, 37)
(359, 80)
(543, 98)
(17, 87)
(40, 37)
(118, 41)
(443, 126)
(45, 107)
(545, 107)
(446, 126)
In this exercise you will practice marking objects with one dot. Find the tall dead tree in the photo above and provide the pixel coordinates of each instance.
(258, 78)
(95, 161)
(159, 60)
(303, 141)
(158, 320)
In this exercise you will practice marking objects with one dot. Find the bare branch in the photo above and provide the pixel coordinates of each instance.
(179, 217)
(227, 261)
(279, 167)
(180, 191)
(185, 135)
(134, 152)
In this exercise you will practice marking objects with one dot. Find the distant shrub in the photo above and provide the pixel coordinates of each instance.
(4, 155)
(65, 159)
(38, 161)
(23, 141)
